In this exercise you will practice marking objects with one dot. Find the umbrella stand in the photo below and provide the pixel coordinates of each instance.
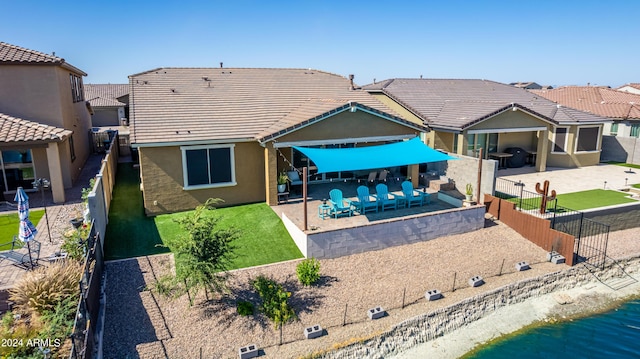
(29, 250)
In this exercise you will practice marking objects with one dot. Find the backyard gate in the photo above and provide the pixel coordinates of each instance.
(591, 236)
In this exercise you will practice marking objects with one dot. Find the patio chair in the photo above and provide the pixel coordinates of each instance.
(339, 204)
(412, 196)
(372, 177)
(383, 176)
(364, 203)
(294, 180)
(385, 199)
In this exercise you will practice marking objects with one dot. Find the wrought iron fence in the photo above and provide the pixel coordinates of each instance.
(591, 236)
(83, 337)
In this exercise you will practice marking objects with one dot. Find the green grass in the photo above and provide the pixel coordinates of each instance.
(130, 233)
(637, 185)
(594, 198)
(9, 226)
(624, 164)
(578, 201)
(263, 238)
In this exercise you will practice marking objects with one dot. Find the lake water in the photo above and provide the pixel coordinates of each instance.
(615, 334)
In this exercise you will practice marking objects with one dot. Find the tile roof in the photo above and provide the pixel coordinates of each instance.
(12, 54)
(635, 85)
(14, 129)
(459, 103)
(106, 95)
(199, 104)
(601, 101)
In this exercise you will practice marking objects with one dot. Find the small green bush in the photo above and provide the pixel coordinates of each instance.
(308, 271)
(275, 301)
(245, 308)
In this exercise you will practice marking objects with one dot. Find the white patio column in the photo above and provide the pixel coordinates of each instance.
(55, 172)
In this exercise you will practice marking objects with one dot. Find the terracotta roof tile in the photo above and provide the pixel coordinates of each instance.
(601, 101)
(458, 103)
(16, 54)
(14, 129)
(12, 54)
(190, 104)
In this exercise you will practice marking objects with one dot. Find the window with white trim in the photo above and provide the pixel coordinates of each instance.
(613, 131)
(560, 140)
(588, 139)
(208, 166)
(635, 130)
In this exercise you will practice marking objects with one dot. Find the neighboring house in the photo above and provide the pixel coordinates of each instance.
(631, 88)
(229, 132)
(109, 104)
(623, 108)
(466, 115)
(529, 85)
(44, 118)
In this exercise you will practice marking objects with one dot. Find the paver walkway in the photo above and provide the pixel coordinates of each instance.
(59, 216)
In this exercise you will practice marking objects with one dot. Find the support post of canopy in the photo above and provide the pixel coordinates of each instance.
(304, 196)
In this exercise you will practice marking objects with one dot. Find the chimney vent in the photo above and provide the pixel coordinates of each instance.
(351, 81)
(220, 64)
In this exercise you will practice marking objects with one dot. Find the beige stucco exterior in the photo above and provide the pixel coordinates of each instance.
(162, 179)
(520, 129)
(42, 93)
(256, 165)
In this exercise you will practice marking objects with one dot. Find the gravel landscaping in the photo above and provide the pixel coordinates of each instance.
(143, 324)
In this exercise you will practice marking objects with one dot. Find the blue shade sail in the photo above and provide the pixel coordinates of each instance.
(381, 156)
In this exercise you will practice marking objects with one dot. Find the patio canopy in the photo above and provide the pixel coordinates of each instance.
(361, 158)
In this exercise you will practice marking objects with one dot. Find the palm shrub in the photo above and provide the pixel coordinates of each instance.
(308, 271)
(42, 289)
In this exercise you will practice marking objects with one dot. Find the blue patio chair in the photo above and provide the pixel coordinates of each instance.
(385, 199)
(412, 196)
(339, 205)
(364, 203)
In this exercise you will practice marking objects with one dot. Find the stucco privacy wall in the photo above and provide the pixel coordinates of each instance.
(620, 149)
(442, 321)
(395, 232)
(465, 170)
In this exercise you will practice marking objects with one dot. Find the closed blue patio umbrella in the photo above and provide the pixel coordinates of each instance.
(26, 231)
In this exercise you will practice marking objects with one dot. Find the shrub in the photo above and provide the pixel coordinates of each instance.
(275, 300)
(245, 308)
(42, 289)
(308, 271)
(75, 242)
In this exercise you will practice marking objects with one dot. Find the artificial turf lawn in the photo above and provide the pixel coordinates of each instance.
(624, 164)
(130, 233)
(263, 238)
(594, 198)
(578, 201)
(9, 226)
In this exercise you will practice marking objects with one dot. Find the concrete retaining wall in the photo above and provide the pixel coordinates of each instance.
(618, 218)
(429, 326)
(395, 232)
(298, 236)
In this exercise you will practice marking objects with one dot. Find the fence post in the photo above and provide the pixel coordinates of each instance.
(453, 289)
(344, 318)
(501, 266)
(404, 292)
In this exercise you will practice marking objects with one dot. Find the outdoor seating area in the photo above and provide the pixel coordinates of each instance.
(366, 203)
(21, 254)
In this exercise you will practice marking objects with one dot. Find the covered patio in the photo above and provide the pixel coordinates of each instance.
(319, 234)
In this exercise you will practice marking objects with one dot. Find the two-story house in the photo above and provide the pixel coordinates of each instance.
(44, 120)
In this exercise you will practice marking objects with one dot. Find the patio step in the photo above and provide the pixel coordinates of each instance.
(155, 315)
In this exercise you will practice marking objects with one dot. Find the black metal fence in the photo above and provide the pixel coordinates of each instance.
(83, 337)
(591, 236)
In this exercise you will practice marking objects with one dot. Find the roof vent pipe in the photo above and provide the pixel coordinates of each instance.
(220, 64)
(351, 82)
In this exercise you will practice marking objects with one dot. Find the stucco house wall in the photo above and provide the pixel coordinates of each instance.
(163, 181)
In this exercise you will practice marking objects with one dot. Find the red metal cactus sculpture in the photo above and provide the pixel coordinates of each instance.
(545, 195)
